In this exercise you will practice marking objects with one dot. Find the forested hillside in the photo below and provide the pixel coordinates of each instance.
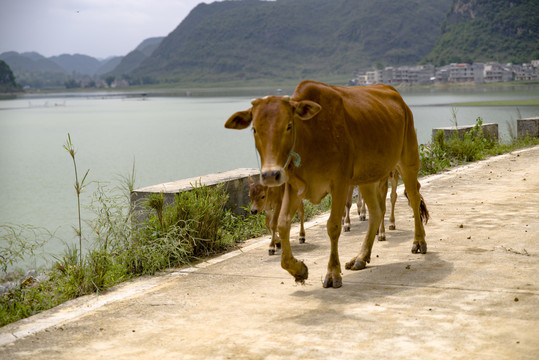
(295, 38)
(489, 30)
(77, 63)
(298, 39)
(135, 57)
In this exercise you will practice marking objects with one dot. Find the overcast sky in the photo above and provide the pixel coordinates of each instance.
(99, 28)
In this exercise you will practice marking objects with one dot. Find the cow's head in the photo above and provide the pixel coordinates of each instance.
(273, 121)
(257, 194)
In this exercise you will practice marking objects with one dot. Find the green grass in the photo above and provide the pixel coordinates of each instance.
(441, 154)
(196, 226)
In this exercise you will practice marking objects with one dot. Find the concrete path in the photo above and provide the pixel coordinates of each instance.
(474, 295)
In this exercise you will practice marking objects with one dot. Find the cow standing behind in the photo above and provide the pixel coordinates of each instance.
(269, 199)
(362, 210)
(322, 141)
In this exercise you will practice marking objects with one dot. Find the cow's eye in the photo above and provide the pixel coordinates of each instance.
(254, 131)
(263, 197)
(289, 126)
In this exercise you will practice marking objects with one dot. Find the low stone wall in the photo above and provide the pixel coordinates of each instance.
(528, 126)
(490, 130)
(235, 184)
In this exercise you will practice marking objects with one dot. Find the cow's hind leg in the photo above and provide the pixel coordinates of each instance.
(361, 208)
(382, 195)
(394, 178)
(301, 214)
(348, 205)
(333, 276)
(419, 208)
(370, 194)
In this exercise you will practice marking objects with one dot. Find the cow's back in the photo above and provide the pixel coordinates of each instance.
(363, 128)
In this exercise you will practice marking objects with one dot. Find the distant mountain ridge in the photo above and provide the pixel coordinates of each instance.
(30, 62)
(77, 63)
(294, 38)
(31, 68)
(298, 39)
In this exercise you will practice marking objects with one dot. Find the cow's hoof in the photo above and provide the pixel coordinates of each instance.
(302, 240)
(392, 227)
(356, 265)
(419, 248)
(362, 218)
(346, 228)
(303, 275)
(271, 252)
(381, 238)
(332, 282)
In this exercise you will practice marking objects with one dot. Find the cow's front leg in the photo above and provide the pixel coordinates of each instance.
(271, 224)
(289, 205)
(375, 215)
(333, 276)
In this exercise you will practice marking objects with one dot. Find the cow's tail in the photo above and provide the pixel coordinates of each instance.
(423, 211)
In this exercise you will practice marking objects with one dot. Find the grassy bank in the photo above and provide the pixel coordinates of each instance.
(443, 153)
(117, 248)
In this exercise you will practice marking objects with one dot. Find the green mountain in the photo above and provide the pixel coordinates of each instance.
(488, 30)
(135, 57)
(30, 62)
(253, 39)
(34, 70)
(77, 63)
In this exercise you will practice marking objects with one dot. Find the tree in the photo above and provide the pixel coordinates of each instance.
(7, 79)
(72, 84)
(109, 80)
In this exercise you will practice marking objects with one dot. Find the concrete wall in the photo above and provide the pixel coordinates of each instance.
(236, 185)
(528, 126)
(489, 130)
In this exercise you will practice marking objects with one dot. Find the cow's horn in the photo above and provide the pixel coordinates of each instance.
(254, 101)
(286, 98)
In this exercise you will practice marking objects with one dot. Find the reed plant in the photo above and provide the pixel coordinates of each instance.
(79, 186)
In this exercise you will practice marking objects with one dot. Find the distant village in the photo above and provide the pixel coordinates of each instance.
(478, 73)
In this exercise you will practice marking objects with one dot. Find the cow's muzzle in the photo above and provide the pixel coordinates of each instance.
(273, 177)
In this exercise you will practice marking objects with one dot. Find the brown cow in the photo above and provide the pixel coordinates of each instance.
(269, 199)
(325, 139)
(362, 211)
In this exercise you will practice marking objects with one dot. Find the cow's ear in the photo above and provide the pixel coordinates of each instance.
(306, 109)
(251, 181)
(239, 120)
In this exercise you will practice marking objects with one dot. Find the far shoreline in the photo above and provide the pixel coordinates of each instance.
(259, 87)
